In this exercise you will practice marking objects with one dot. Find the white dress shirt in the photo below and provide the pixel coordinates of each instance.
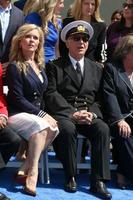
(74, 62)
(5, 19)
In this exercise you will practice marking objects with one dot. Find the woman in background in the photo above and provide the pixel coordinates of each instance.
(118, 101)
(46, 16)
(30, 6)
(116, 16)
(27, 83)
(88, 10)
(119, 29)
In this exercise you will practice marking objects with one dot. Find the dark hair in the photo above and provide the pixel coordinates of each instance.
(114, 13)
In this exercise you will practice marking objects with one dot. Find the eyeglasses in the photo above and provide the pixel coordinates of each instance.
(128, 5)
(79, 37)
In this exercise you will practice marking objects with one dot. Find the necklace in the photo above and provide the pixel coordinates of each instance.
(34, 66)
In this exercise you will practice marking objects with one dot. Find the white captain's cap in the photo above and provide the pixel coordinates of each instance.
(76, 27)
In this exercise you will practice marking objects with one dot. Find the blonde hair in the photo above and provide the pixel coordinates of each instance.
(77, 11)
(45, 8)
(16, 54)
(124, 46)
(30, 6)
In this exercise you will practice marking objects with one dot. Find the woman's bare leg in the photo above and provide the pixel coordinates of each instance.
(37, 143)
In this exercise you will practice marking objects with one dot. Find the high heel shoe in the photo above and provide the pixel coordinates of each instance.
(29, 191)
(31, 181)
(121, 183)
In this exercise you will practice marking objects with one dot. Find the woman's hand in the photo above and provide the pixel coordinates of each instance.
(124, 129)
(50, 120)
(3, 122)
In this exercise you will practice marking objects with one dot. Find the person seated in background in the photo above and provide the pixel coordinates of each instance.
(72, 99)
(27, 83)
(11, 18)
(118, 101)
(116, 16)
(119, 29)
(45, 14)
(9, 141)
(89, 11)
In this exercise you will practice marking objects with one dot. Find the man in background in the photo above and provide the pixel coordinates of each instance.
(11, 18)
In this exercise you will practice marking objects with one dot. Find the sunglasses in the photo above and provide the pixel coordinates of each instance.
(128, 5)
(79, 37)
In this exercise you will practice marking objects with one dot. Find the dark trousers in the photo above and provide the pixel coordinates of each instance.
(123, 151)
(65, 146)
(9, 143)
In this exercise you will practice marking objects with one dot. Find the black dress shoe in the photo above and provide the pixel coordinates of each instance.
(71, 185)
(121, 186)
(99, 189)
(121, 181)
(3, 197)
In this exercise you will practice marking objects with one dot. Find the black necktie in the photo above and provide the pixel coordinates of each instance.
(79, 73)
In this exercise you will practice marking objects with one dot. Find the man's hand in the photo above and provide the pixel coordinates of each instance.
(124, 129)
(83, 117)
(3, 122)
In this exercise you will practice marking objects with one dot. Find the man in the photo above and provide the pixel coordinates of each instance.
(11, 18)
(72, 98)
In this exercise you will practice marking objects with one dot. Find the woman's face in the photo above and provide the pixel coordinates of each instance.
(30, 42)
(128, 9)
(59, 7)
(116, 17)
(88, 8)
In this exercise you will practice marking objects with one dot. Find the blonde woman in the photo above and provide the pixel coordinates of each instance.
(45, 17)
(88, 10)
(30, 6)
(27, 83)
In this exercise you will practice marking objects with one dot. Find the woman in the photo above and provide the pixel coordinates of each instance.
(119, 29)
(27, 83)
(116, 16)
(30, 6)
(118, 99)
(88, 10)
(45, 16)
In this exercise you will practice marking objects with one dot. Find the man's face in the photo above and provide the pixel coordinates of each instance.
(77, 45)
(4, 2)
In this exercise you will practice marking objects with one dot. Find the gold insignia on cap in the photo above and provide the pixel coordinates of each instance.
(81, 28)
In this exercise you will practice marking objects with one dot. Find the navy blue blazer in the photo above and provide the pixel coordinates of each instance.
(25, 91)
(16, 20)
(118, 93)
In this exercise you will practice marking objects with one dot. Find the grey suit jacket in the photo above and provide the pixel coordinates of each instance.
(16, 20)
